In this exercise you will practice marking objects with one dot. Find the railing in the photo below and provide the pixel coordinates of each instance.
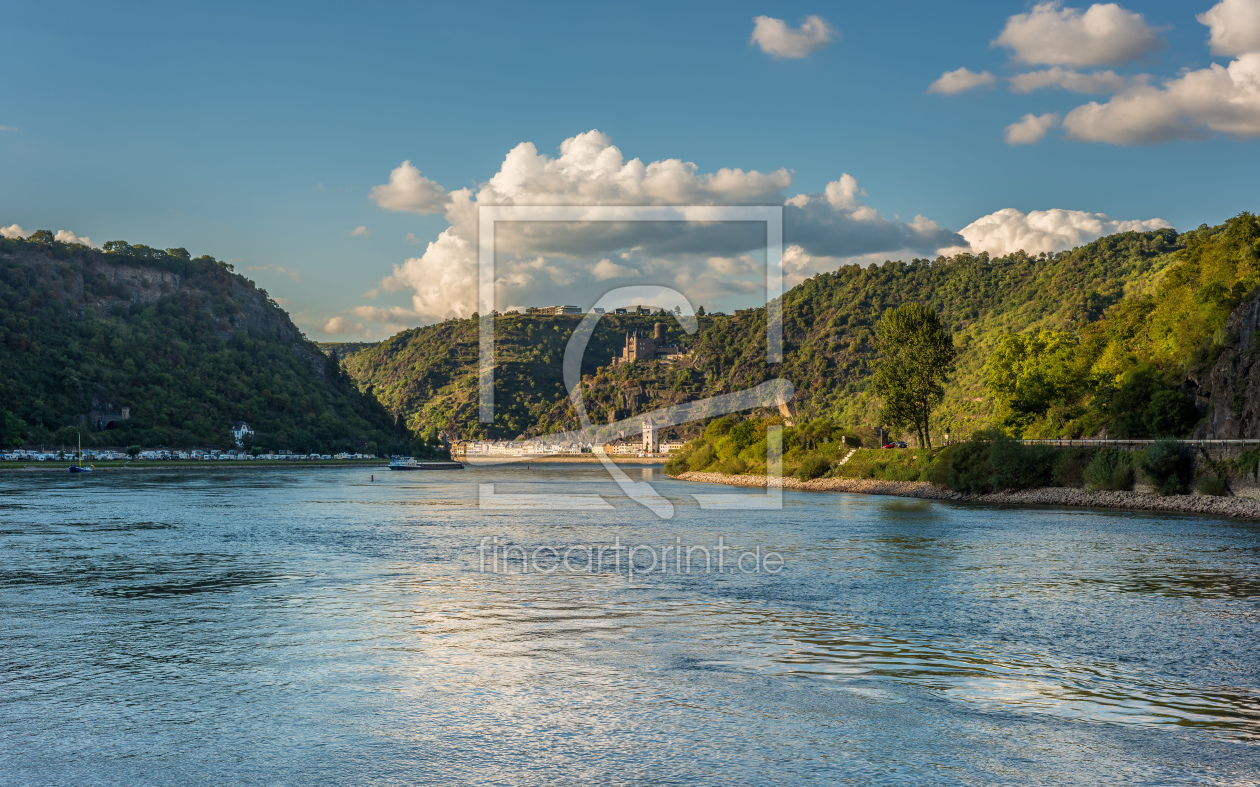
(1115, 443)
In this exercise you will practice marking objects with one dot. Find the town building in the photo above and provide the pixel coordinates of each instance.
(239, 430)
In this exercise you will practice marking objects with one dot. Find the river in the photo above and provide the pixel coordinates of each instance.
(268, 627)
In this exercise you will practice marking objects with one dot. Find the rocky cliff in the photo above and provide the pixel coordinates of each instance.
(1231, 391)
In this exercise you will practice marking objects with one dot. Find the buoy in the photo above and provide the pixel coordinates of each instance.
(373, 479)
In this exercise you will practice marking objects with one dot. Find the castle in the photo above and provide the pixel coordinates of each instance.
(642, 348)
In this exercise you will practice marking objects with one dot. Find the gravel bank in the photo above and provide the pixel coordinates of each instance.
(1048, 496)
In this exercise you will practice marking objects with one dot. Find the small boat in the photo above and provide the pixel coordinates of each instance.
(413, 464)
(79, 468)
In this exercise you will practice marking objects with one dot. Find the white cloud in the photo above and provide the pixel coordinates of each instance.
(1235, 26)
(536, 259)
(1224, 99)
(13, 231)
(1074, 81)
(1010, 230)
(409, 191)
(607, 269)
(1104, 34)
(1030, 128)
(960, 81)
(360, 232)
(776, 38)
(340, 326)
(66, 236)
(8, 128)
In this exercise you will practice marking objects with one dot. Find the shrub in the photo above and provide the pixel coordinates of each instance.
(733, 466)
(813, 466)
(1019, 466)
(1168, 466)
(937, 471)
(701, 458)
(1109, 470)
(1069, 467)
(1213, 485)
(969, 467)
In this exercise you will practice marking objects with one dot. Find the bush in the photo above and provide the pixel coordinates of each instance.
(813, 466)
(1110, 471)
(1168, 466)
(969, 467)
(1019, 466)
(1069, 467)
(937, 471)
(732, 466)
(701, 458)
(1213, 485)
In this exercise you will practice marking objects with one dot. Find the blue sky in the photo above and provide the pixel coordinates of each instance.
(255, 132)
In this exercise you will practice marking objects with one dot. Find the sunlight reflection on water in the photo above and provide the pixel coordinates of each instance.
(314, 627)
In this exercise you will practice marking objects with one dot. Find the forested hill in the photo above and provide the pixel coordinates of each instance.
(186, 344)
(428, 375)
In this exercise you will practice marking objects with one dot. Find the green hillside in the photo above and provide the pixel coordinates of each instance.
(186, 344)
(427, 376)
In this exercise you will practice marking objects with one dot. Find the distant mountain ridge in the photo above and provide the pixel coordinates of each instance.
(427, 376)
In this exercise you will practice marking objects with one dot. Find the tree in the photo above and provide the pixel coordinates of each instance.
(916, 354)
(11, 430)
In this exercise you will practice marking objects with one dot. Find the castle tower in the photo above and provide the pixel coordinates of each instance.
(650, 437)
(658, 332)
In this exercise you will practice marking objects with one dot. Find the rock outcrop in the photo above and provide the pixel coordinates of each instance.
(1231, 391)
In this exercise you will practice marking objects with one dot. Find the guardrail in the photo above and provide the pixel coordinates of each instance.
(1115, 442)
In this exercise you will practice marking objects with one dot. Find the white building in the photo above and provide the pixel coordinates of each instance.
(239, 430)
(650, 437)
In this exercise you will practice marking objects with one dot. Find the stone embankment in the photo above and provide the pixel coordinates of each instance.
(1048, 496)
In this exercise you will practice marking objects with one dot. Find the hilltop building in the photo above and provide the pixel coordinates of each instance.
(554, 310)
(648, 348)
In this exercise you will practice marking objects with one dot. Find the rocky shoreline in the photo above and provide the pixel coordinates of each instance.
(1244, 507)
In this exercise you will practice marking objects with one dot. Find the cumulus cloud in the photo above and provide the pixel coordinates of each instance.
(340, 326)
(777, 38)
(1104, 34)
(960, 81)
(1234, 26)
(409, 191)
(1223, 99)
(535, 259)
(360, 232)
(1010, 230)
(66, 236)
(13, 231)
(607, 269)
(1074, 81)
(1030, 128)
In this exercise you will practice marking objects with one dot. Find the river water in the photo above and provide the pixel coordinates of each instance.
(315, 627)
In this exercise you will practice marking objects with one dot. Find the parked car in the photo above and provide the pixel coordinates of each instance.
(896, 444)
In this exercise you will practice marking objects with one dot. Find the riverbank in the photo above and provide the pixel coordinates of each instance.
(569, 459)
(1245, 507)
(188, 464)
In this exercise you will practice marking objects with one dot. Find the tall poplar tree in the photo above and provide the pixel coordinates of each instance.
(916, 355)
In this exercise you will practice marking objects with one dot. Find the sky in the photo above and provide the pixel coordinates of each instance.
(337, 154)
